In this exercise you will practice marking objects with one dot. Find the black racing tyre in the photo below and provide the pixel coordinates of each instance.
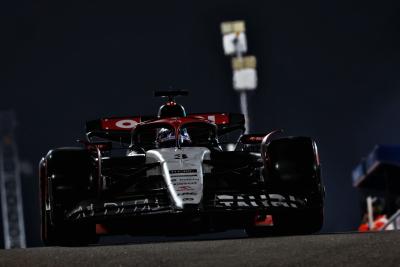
(293, 168)
(293, 165)
(67, 181)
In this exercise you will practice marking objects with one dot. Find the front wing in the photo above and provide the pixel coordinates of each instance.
(142, 205)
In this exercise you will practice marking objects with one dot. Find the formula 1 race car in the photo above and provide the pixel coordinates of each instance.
(179, 174)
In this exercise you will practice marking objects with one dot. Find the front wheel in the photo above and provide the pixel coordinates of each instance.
(64, 182)
(292, 167)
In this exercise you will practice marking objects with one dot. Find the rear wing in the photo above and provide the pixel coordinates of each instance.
(119, 128)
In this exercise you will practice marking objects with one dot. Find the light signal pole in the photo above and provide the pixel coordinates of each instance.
(244, 67)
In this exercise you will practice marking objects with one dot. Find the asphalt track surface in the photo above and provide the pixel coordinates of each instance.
(348, 249)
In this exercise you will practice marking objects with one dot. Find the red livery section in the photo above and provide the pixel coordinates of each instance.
(217, 118)
(128, 123)
(252, 138)
(121, 124)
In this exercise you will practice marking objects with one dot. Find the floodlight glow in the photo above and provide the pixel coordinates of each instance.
(234, 43)
(245, 79)
(244, 73)
(234, 37)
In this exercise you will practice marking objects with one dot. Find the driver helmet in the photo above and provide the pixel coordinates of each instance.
(185, 138)
(166, 138)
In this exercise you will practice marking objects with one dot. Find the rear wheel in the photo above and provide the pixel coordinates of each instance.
(65, 181)
(293, 168)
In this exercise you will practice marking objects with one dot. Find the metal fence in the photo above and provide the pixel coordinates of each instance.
(10, 184)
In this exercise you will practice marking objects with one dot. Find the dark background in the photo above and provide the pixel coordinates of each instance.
(327, 69)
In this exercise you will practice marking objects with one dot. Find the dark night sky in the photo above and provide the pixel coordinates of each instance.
(327, 69)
